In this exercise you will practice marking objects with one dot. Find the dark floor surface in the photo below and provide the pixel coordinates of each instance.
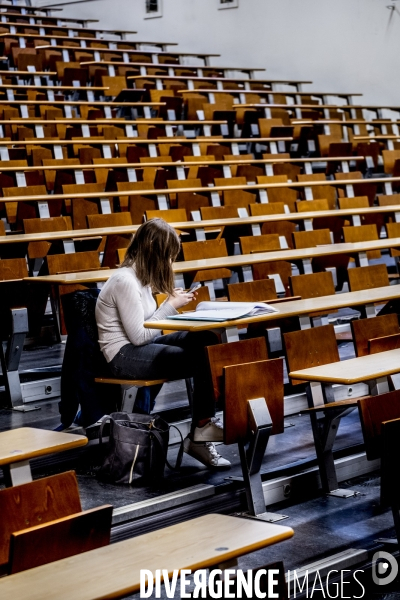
(323, 525)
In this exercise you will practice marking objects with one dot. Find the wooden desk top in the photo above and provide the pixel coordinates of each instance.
(354, 370)
(30, 73)
(116, 122)
(66, 27)
(114, 571)
(230, 262)
(78, 39)
(133, 52)
(79, 103)
(230, 79)
(141, 165)
(135, 140)
(31, 86)
(288, 309)
(25, 443)
(255, 91)
(171, 66)
(187, 225)
(216, 188)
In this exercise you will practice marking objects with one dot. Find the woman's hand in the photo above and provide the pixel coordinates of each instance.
(180, 298)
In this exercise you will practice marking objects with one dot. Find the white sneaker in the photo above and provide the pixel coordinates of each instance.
(206, 453)
(213, 431)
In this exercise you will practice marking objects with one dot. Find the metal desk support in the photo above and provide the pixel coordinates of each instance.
(324, 432)
(10, 356)
(260, 428)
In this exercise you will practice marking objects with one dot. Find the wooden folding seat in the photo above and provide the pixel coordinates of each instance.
(176, 184)
(46, 515)
(366, 331)
(312, 238)
(262, 290)
(319, 191)
(286, 195)
(259, 243)
(362, 233)
(312, 285)
(380, 422)
(365, 278)
(240, 372)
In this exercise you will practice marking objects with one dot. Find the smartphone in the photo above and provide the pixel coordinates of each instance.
(195, 286)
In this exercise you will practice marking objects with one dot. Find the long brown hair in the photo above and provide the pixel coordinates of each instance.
(153, 249)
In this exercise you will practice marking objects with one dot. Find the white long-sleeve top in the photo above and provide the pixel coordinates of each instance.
(122, 307)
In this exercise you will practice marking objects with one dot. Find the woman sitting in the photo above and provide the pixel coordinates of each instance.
(134, 352)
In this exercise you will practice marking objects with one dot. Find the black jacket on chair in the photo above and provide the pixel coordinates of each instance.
(83, 361)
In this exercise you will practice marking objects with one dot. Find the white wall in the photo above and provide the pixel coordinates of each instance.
(340, 45)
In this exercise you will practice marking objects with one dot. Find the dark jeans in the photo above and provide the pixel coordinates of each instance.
(174, 356)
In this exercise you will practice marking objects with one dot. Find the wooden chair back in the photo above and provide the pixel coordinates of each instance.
(218, 212)
(172, 215)
(137, 204)
(235, 353)
(274, 267)
(248, 381)
(356, 202)
(69, 263)
(13, 268)
(362, 233)
(259, 243)
(365, 278)
(204, 249)
(312, 205)
(312, 238)
(252, 291)
(61, 538)
(109, 220)
(310, 348)
(34, 503)
(364, 330)
(374, 410)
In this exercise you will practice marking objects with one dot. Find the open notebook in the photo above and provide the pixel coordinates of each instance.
(224, 311)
